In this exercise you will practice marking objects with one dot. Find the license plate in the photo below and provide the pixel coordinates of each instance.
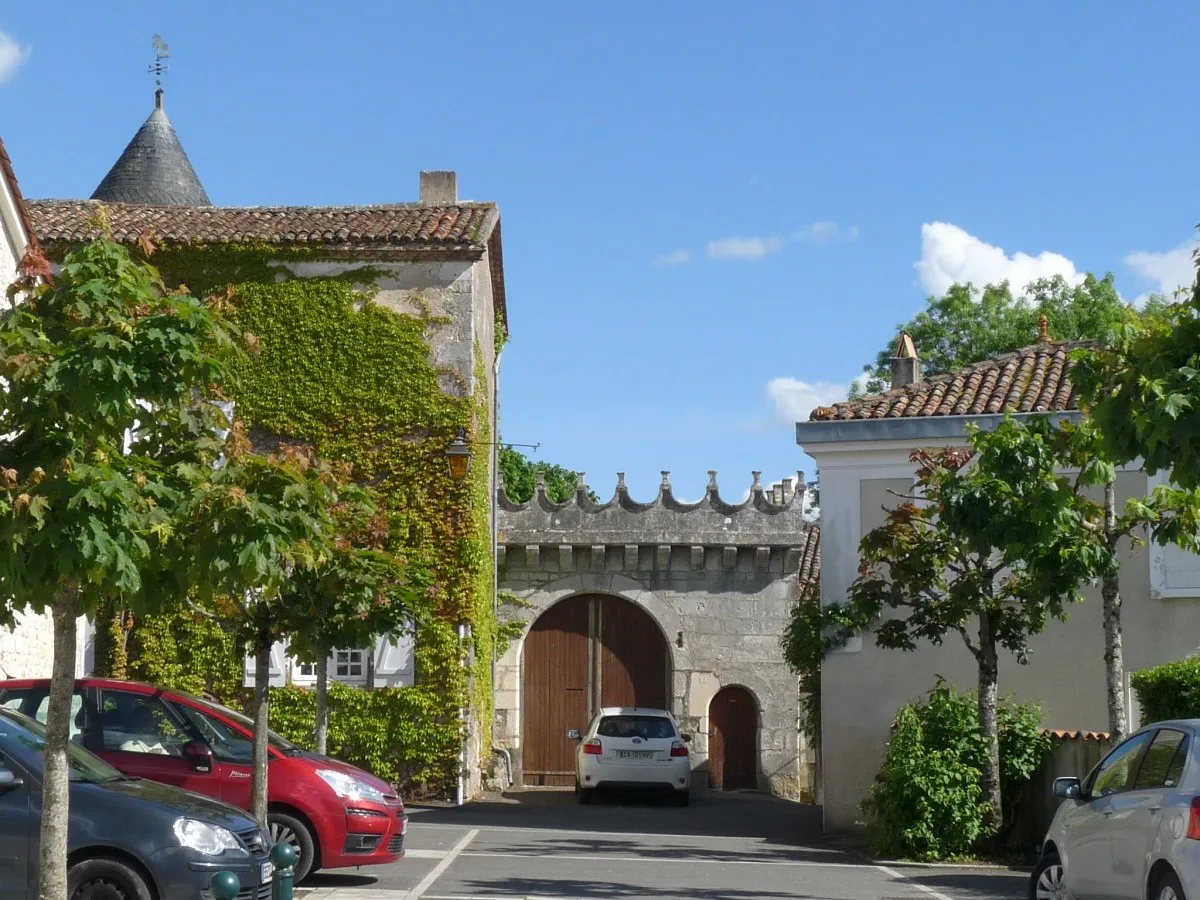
(268, 872)
(635, 754)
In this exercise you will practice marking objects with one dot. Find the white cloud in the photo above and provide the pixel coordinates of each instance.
(675, 258)
(12, 55)
(826, 232)
(746, 248)
(792, 399)
(950, 255)
(1165, 271)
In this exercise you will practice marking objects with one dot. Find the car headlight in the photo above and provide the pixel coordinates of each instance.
(210, 840)
(350, 788)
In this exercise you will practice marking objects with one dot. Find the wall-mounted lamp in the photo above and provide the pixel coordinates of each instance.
(458, 456)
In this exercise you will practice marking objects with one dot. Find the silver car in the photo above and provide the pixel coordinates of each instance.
(1131, 828)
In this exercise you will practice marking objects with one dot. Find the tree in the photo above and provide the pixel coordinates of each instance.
(108, 421)
(998, 547)
(966, 326)
(260, 522)
(1140, 390)
(519, 474)
(359, 594)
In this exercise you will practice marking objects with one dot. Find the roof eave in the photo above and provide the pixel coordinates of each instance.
(911, 428)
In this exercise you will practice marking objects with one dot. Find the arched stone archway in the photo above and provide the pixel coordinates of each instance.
(585, 652)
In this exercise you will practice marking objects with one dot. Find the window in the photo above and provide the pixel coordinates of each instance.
(647, 727)
(137, 723)
(349, 664)
(1158, 767)
(35, 703)
(308, 670)
(228, 744)
(1115, 774)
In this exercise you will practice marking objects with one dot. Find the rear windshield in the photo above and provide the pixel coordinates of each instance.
(648, 727)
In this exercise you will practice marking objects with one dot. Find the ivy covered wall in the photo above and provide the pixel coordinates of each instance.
(379, 364)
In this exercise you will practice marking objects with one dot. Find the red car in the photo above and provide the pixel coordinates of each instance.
(332, 813)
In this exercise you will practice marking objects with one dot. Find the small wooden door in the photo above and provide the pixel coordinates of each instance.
(733, 740)
(586, 652)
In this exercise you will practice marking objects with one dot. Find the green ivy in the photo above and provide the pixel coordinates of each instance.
(355, 381)
(385, 731)
(927, 801)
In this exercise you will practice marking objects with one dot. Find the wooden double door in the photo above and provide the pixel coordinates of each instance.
(586, 652)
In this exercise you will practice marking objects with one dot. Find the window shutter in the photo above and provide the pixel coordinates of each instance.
(278, 667)
(394, 661)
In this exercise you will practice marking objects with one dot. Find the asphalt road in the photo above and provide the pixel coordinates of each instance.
(723, 847)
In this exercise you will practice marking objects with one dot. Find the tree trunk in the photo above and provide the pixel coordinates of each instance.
(989, 677)
(52, 880)
(262, 708)
(1114, 657)
(322, 732)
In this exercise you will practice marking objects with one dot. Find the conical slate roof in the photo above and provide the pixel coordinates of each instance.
(154, 170)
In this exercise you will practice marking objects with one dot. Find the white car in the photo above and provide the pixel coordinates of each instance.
(632, 747)
(1131, 829)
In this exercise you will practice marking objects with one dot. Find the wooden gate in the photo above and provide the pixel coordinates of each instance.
(733, 740)
(581, 654)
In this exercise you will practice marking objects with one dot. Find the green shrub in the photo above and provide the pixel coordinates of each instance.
(1170, 691)
(927, 800)
(398, 734)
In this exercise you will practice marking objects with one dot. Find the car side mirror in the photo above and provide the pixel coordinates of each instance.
(1067, 788)
(199, 756)
(9, 780)
(574, 735)
(686, 738)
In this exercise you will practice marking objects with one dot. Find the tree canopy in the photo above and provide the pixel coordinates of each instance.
(519, 472)
(967, 325)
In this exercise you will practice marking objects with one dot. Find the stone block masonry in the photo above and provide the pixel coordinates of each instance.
(718, 579)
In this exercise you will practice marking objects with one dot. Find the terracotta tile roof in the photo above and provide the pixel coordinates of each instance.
(464, 226)
(1032, 379)
(10, 176)
(810, 558)
(1063, 734)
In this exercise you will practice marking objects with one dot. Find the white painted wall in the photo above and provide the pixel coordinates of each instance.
(863, 685)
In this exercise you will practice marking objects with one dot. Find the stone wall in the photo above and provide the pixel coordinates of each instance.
(720, 580)
(27, 649)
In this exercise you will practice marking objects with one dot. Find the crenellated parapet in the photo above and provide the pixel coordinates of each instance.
(764, 533)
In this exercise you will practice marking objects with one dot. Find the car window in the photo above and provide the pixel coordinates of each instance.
(647, 727)
(35, 703)
(138, 723)
(1116, 773)
(24, 739)
(1158, 765)
(228, 745)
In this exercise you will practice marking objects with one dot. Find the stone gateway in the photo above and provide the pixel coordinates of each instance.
(661, 604)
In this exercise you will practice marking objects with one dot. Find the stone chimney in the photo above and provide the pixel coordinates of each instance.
(439, 188)
(906, 365)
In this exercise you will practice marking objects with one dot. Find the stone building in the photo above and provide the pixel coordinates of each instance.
(660, 604)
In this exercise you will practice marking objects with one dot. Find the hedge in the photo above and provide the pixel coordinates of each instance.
(1170, 691)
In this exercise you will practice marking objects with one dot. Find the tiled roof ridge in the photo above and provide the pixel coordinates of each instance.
(971, 390)
(10, 176)
(209, 210)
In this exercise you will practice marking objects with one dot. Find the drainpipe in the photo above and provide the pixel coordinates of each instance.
(496, 546)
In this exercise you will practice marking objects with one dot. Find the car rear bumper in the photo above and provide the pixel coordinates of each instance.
(675, 775)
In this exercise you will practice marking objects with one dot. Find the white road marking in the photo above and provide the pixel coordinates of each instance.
(425, 854)
(427, 882)
(685, 860)
(923, 888)
(525, 829)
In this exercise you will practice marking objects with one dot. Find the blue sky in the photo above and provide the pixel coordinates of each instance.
(714, 213)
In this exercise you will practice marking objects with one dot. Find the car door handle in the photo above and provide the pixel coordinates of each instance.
(1155, 809)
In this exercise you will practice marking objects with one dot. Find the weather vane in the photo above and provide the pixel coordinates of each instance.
(161, 52)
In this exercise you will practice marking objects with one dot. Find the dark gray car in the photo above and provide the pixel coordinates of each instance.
(129, 839)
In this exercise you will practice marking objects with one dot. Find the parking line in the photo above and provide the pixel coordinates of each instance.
(923, 888)
(525, 829)
(686, 860)
(427, 882)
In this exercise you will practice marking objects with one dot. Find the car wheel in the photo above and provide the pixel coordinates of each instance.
(106, 879)
(1167, 887)
(286, 829)
(1047, 881)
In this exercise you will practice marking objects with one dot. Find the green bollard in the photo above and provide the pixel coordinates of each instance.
(225, 886)
(284, 857)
